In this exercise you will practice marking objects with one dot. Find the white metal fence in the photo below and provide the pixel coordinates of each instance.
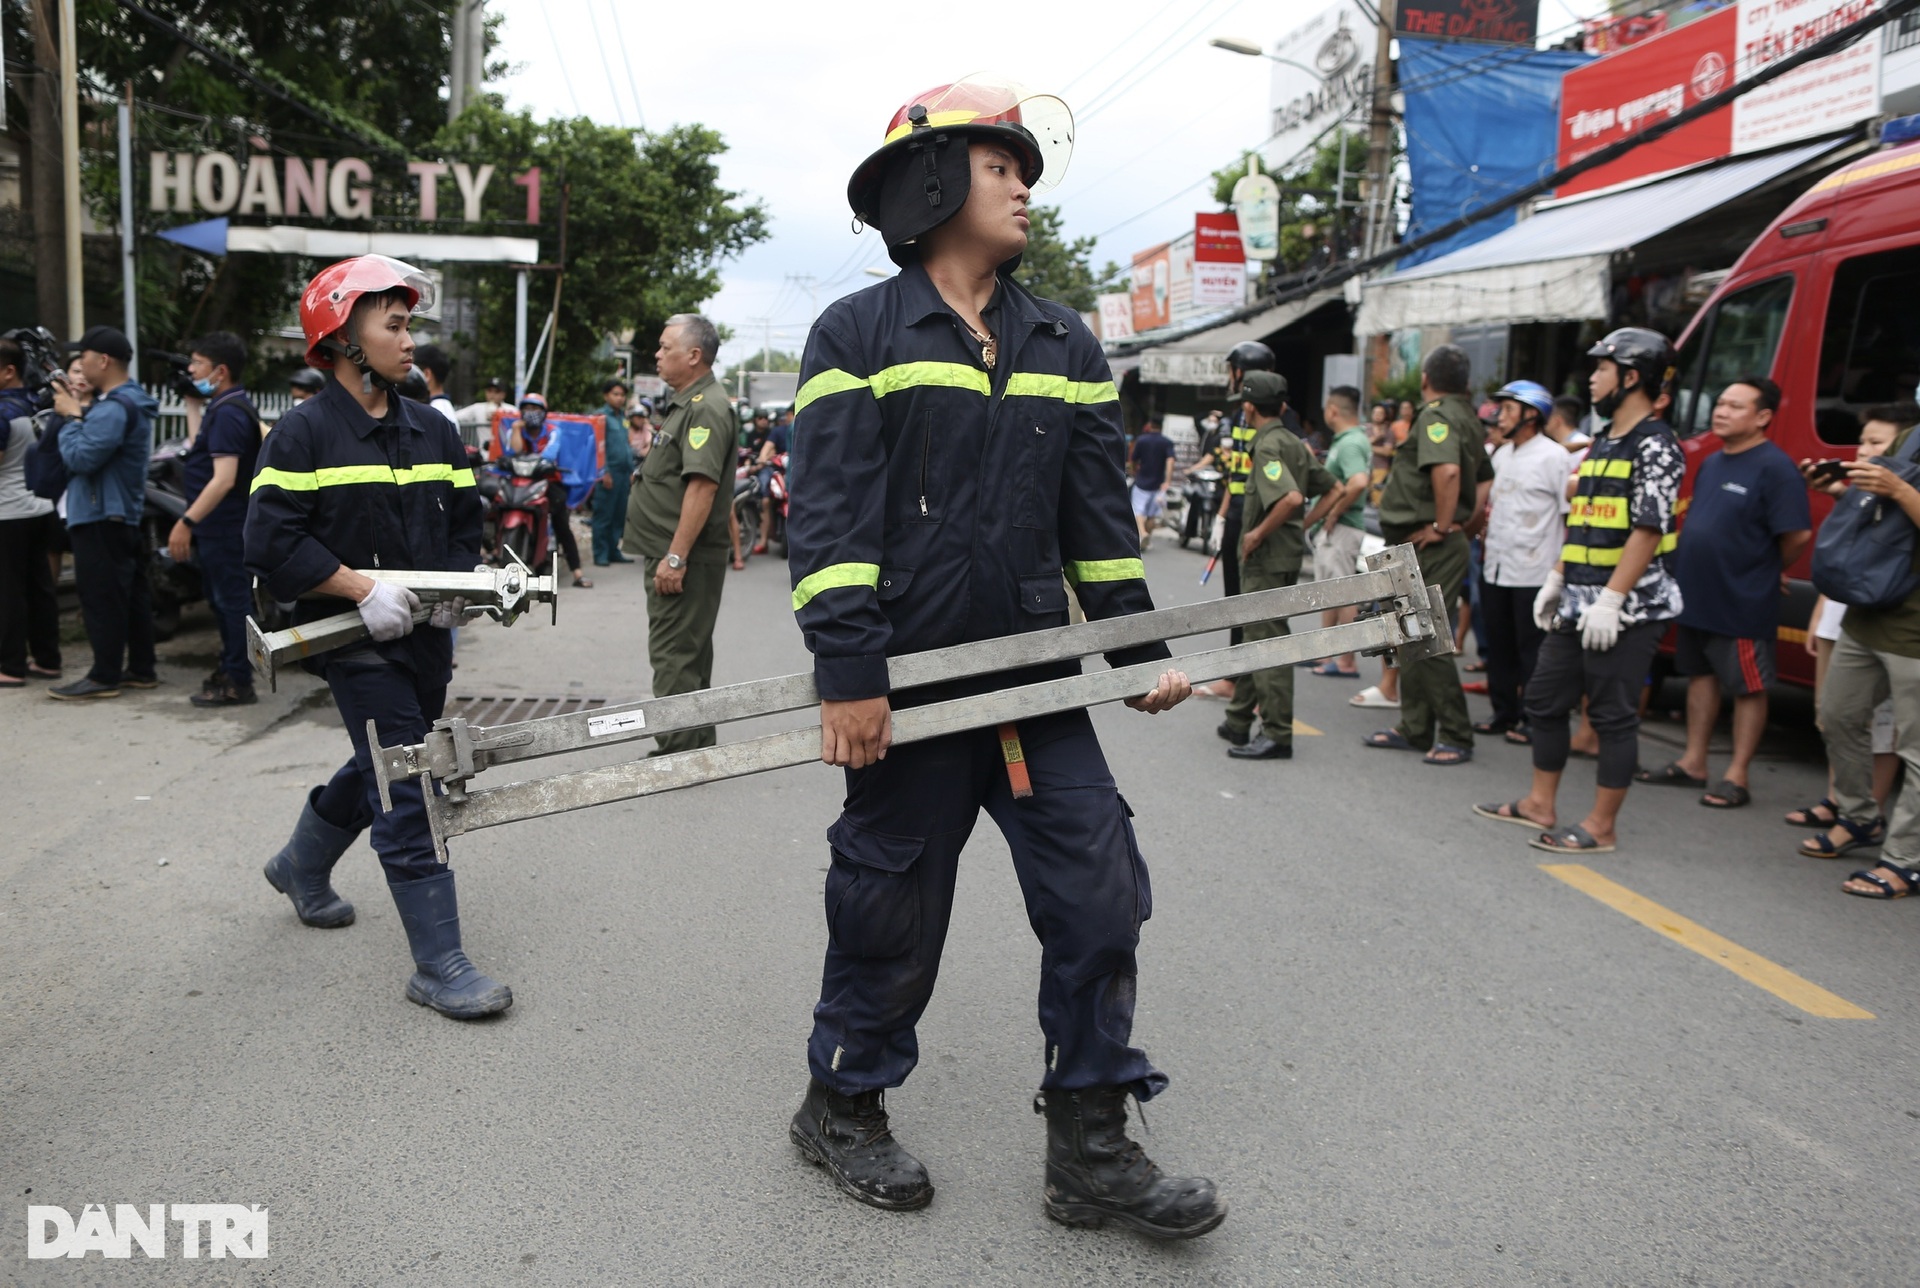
(170, 422)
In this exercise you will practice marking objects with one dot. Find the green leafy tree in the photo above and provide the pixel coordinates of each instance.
(1060, 270)
(648, 225)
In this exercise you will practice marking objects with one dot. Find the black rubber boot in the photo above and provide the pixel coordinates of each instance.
(848, 1135)
(301, 869)
(1095, 1173)
(443, 979)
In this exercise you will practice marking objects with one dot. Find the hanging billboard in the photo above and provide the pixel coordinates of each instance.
(1151, 287)
(1500, 22)
(1219, 263)
(1256, 200)
(1322, 73)
(1616, 97)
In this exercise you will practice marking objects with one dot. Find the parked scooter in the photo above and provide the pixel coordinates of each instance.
(1202, 492)
(519, 513)
(170, 586)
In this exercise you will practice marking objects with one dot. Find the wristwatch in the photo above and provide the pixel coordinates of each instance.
(675, 562)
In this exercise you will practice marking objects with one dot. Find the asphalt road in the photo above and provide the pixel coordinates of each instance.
(1406, 1053)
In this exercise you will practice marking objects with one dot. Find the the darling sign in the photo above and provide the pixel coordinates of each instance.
(222, 1229)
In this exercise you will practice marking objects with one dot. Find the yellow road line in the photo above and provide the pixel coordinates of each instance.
(1303, 730)
(1752, 967)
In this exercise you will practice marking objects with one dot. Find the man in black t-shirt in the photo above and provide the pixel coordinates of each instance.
(1151, 471)
(218, 466)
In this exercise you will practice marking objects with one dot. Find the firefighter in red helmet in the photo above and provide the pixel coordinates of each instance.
(956, 452)
(357, 477)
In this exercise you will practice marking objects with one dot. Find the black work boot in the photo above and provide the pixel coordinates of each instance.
(443, 979)
(1094, 1172)
(848, 1135)
(301, 869)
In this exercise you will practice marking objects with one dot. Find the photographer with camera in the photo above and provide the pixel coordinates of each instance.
(29, 614)
(106, 453)
(218, 467)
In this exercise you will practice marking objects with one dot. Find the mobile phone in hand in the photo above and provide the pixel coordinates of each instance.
(1830, 472)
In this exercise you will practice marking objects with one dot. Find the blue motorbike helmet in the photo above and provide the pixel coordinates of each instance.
(1528, 394)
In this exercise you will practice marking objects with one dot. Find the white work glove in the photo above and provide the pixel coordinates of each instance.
(388, 611)
(448, 613)
(1600, 623)
(1546, 604)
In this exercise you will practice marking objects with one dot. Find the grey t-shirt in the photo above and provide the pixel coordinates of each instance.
(16, 502)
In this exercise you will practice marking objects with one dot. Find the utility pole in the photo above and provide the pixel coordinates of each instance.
(70, 161)
(467, 38)
(559, 280)
(130, 317)
(1380, 137)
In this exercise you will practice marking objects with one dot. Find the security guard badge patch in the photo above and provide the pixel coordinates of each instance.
(1437, 431)
(697, 437)
(1272, 470)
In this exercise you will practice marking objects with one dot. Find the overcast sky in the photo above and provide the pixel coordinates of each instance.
(801, 92)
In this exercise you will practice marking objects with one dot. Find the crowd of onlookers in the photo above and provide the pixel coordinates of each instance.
(1554, 501)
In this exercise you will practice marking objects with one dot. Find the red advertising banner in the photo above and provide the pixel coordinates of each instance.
(1152, 285)
(1611, 35)
(1216, 239)
(1613, 98)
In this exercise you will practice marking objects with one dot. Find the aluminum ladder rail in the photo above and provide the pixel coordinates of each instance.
(1412, 623)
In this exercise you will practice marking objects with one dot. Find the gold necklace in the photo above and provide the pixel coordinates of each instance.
(989, 346)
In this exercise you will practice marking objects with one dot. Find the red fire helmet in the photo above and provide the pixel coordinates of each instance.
(1037, 126)
(329, 298)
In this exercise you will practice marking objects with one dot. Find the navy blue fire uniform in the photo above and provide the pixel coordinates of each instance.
(938, 501)
(335, 486)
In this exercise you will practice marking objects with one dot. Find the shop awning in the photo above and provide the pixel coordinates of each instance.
(1555, 266)
(1194, 353)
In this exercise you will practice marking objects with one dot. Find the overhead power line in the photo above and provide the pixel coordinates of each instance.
(1826, 46)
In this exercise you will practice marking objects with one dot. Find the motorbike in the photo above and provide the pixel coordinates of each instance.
(171, 586)
(749, 491)
(1202, 493)
(489, 484)
(518, 514)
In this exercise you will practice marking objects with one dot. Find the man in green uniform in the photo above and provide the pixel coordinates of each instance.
(1273, 542)
(674, 522)
(1435, 488)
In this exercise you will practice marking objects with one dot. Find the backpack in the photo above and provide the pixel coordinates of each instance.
(46, 474)
(1864, 555)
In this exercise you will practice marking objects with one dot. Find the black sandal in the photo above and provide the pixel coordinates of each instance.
(1809, 814)
(1909, 876)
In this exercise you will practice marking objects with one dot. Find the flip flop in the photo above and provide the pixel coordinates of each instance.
(1474, 686)
(1370, 697)
(1388, 740)
(1328, 668)
(1508, 813)
(1518, 737)
(1806, 813)
(1455, 755)
(1671, 776)
(1731, 796)
(1569, 840)
(9, 682)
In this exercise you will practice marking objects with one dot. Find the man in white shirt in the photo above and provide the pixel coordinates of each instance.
(1524, 531)
(436, 367)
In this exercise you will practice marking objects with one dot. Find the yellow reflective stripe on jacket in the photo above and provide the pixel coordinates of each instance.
(833, 576)
(956, 375)
(1031, 384)
(832, 381)
(1599, 512)
(1238, 488)
(347, 475)
(1081, 571)
(1609, 556)
(917, 375)
(1613, 469)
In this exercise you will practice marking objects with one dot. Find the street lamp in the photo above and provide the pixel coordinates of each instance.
(1234, 45)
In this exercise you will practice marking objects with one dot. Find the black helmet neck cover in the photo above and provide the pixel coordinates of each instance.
(922, 187)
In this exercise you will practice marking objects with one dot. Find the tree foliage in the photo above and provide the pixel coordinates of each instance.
(647, 227)
(648, 223)
(1060, 270)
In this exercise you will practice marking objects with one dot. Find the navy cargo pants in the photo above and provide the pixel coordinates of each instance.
(889, 894)
(367, 686)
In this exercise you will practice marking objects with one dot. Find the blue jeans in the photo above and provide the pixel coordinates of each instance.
(229, 590)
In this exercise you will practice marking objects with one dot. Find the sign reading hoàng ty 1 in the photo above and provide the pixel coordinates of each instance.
(322, 188)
